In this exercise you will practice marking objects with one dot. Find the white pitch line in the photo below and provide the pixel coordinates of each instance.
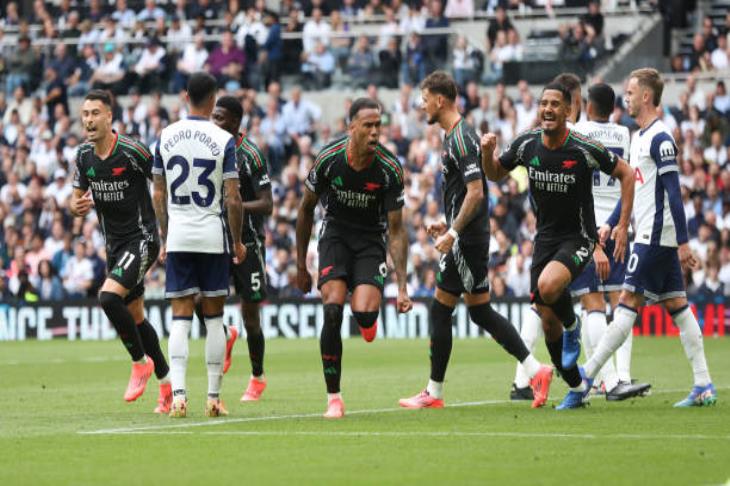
(185, 425)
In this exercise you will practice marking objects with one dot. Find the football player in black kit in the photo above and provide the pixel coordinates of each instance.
(113, 174)
(560, 165)
(360, 185)
(463, 241)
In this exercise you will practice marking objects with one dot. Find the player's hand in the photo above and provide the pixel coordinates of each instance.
(435, 230)
(620, 236)
(403, 302)
(686, 258)
(163, 254)
(444, 243)
(304, 280)
(488, 142)
(603, 268)
(239, 253)
(82, 205)
(604, 232)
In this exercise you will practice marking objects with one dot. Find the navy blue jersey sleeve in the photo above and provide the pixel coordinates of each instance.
(230, 170)
(670, 180)
(158, 168)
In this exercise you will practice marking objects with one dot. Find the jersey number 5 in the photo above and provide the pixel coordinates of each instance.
(203, 180)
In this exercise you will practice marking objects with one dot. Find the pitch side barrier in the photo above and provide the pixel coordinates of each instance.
(84, 320)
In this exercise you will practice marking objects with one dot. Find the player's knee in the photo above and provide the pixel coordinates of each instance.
(563, 307)
(365, 319)
(333, 315)
(110, 301)
(549, 290)
(440, 316)
(251, 320)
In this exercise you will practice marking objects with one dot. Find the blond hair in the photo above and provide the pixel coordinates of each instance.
(650, 78)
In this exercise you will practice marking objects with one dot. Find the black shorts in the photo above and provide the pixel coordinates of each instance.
(574, 253)
(128, 262)
(358, 259)
(249, 277)
(464, 269)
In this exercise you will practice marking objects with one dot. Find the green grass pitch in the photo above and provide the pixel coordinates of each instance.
(63, 421)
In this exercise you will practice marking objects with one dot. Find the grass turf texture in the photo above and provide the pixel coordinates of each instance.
(53, 393)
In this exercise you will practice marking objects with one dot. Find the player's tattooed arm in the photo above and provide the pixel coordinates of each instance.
(234, 208)
(490, 163)
(469, 208)
(159, 201)
(398, 247)
(305, 221)
(619, 234)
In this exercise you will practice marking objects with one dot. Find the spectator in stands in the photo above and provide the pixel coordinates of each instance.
(277, 274)
(193, 59)
(719, 56)
(390, 63)
(55, 92)
(21, 104)
(500, 22)
(47, 282)
(151, 11)
(20, 66)
(318, 67)
(693, 123)
(436, 46)
(12, 17)
(123, 15)
(464, 62)
(459, 9)
(716, 153)
(594, 17)
(111, 73)
(388, 30)
(204, 9)
(79, 273)
(300, 116)
(62, 256)
(179, 35)
(414, 67)
(227, 63)
(698, 58)
(292, 48)
(271, 53)
(361, 63)
(721, 99)
(316, 29)
(150, 68)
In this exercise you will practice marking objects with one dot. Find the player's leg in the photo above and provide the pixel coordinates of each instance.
(334, 293)
(623, 353)
(530, 332)
(213, 272)
(594, 305)
(365, 305)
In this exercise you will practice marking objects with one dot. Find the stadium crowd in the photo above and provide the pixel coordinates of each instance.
(46, 254)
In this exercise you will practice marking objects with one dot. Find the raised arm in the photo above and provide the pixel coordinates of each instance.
(493, 169)
(398, 247)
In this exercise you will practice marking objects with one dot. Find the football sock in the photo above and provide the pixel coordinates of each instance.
(500, 329)
(441, 339)
(330, 346)
(571, 376)
(531, 329)
(215, 351)
(123, 322)
(596, 328)
(177, 348)
(152, 348)
(563, 309)
(255, 341)
(623, 358)
(623, 321)
(435, 389)
(691, 337)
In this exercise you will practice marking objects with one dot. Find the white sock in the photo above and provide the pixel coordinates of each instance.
(141, 361)
(694, 348)
(530, 333)
(580, 388)
(259, 378)
(623, 322)
(332, 396)
(623, 359)
(215, 351)
(177, 348)
(435, 389)
(596, 328)
(532, 366)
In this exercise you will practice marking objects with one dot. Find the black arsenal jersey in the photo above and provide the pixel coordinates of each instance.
(462, 163)
(356, 200)
(120, 187)
(561, 182)
(253, 176)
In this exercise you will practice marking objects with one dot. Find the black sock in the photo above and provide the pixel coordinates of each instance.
(563, 309)
(330, 345)
(123, 322)
(500, 329)
(255, 340)
(152, 347)
(571, 376)
(441, 339)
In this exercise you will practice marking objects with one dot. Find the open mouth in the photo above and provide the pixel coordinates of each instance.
(90, 130)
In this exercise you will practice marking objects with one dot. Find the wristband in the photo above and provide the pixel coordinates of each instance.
(453, 233)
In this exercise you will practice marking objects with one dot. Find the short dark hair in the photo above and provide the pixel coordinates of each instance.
(99, 95)
(440, 82)
(559, 87)
(232, 105)
(603, 99)
(362, 104)
(201, 86)
(569, 80)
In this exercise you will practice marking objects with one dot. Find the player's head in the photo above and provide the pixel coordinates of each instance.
(601, 100)
(644, 91)
(364, 128)
(96, 114)
(438, 92)
(202, 88)
(572, 84)
(554, 108)
(228, 113)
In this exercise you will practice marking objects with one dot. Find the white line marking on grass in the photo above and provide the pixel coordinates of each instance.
(454, 433)
(207, 423)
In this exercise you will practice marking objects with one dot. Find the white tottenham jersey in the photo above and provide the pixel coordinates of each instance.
(606, 189)
(195, 156)
(653, 153)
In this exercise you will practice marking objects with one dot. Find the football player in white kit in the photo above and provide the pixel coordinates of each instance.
(654, 269)
(606, 276)
(195, 176)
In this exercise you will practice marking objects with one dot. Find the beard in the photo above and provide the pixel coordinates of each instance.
(431, 119)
